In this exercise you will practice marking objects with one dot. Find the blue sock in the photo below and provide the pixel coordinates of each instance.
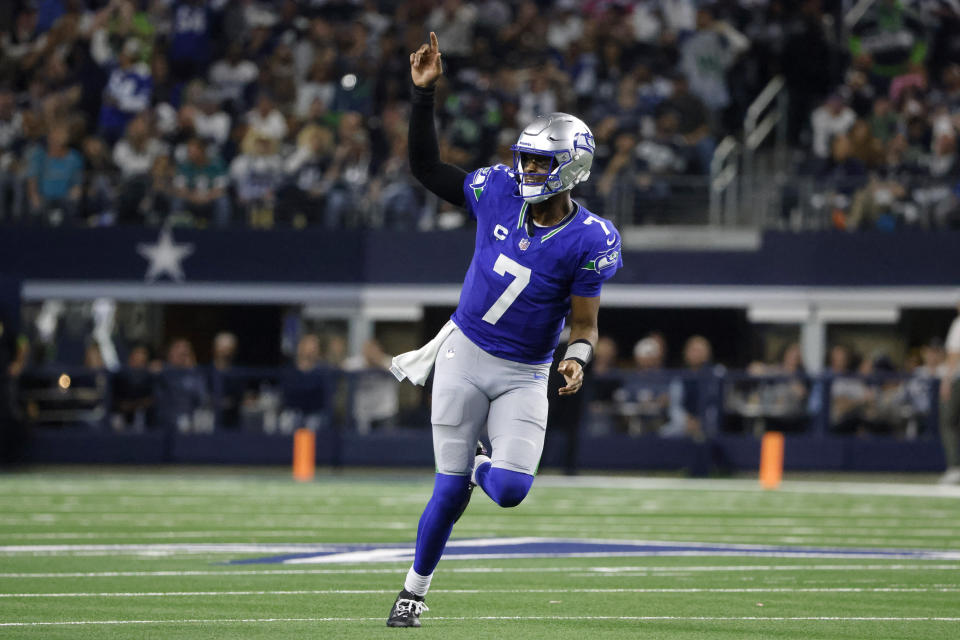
(507, 488)
(436, 523)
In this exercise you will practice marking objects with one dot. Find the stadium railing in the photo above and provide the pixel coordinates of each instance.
(276, 401)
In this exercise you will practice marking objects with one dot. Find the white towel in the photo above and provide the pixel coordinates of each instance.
(416, 365)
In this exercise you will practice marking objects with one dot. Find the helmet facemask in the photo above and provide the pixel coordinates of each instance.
(537, 186)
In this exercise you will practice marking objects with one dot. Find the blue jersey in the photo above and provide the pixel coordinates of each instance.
(517, 290)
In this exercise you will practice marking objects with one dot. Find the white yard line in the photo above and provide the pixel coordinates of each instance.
(328, 592)
(217, 489)
(579, 571)
(504, 618)
(806, 530)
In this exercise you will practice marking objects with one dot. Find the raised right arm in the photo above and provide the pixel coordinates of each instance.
(445, 180)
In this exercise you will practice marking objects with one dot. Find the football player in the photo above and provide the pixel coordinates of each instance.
(539, 256)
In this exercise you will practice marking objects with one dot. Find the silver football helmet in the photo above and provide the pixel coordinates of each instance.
(566, 147)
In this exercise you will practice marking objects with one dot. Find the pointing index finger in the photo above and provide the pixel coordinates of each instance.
(434, 44)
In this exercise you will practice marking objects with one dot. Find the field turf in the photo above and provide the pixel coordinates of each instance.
(152, 554)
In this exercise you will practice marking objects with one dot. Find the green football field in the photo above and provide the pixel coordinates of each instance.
(154, 554)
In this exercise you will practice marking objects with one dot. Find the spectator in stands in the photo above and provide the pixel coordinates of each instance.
(318, 44)
(256, 174)
(226, 388)
(100, 183)
(200, 187)
(844, 173)
(183, 391)
(307, 388)
(135, 155)
(864, 146)
(602, 386)
(859, 93)
(11, 140)
(605, 356)
(349, 172)
(375, 400)
(707, 55)
(202, 115)
(661, 157)
(888, 40)
(950, 403)
(134, 392)
(54, 179)
(92, 358)
(782, 401)
(888, 409)
(396, 204)
(541, 97)
(829, 120)
(950, 89)
(923, 386)
(18, 43)
(320, 86)
(266, 119)
(654, 89)
(454, 21)
(883, 120)
(848, 393)
(190, 36)
(128, 89)
(160, 191)
(619, 182)
(302, 198)
(693, 124)
(232, 76)
(335, 352)
(689, 394)
(627, 108)
(279, 73)
(644, 399)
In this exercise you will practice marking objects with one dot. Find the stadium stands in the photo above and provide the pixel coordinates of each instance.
(224, 120)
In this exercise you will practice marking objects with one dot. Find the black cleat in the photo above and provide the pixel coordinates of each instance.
(406, 610)
(481, 451)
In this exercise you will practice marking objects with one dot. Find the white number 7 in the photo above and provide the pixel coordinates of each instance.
(603, 225)
(503, 266)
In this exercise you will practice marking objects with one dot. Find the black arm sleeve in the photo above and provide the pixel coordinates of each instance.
(441, 178)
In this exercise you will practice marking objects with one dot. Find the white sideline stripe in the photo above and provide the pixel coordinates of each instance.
(496, 618)
(318, 592)
(788, 486)
(573, 570)
(232, 487)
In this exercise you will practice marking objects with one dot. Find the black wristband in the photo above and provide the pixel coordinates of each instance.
(423, 95)
(583, 365)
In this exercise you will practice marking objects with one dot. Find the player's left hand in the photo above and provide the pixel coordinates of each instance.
(573, 373)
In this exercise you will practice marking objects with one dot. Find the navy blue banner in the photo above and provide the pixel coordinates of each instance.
(907, 258)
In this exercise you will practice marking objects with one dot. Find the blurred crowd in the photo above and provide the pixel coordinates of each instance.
(697, 397)
(883, 142)
(70, 374)
(293, 112)
(130, 388)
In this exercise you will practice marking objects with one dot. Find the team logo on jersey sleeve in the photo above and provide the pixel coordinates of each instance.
(604, 260)
(479, 182)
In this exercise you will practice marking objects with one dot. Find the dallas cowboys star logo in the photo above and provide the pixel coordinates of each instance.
(165, 256)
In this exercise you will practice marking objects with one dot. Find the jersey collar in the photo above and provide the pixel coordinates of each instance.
(560, 226)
